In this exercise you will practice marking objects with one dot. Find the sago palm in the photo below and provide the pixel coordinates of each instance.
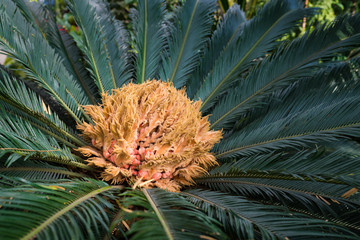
(180, 128)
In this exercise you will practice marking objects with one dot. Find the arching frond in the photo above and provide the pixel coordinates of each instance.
(99, 45)
(18, 139)
(227, 32)
(164, 218)
(316, 112)
(149, 39)
(36, 170)
(292, 62)
(249, 220)
(22, 42)
(20, 101)
(40, 16)
(319, 183)
(257, 37)
(317, 163)
(191, 28)
(56, 210)
(117, 43)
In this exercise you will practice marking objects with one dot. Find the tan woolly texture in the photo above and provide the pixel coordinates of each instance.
(150, 135)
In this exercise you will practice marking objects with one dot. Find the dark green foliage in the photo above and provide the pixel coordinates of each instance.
(289, 160)
(54, 210)
(168, 216)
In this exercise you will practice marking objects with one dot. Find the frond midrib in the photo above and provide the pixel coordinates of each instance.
(158, 214)
(54, 217)
(67, 108)
(275, 187)
(233, 212)
(279, 176)
(271, 83)
(39, 169)
(49, 158)
(44, 120)
(177, 63)
(285, 138)
(83, 84)
(240, 62)
(142, 78)
(92, 58)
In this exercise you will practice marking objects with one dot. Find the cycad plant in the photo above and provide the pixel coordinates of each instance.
(181, 128)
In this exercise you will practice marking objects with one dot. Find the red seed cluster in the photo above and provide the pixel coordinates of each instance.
(139, 154)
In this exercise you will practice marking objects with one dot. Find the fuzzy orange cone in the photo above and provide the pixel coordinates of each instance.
(150, 134)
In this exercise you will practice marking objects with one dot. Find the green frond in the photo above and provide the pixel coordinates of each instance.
(320, 183)
(317, 111)
(117, 45)
(56, 210)
(149, 38)
(20, 140)
(189, 32)
(103, 53)
(317, 163)
(283, 186)
(292, 62)
(20, 101)
(63, 44)
(165, 215)
(35, 171)
(245, 219)
(23, 43)
(258, 36)
(227, 32)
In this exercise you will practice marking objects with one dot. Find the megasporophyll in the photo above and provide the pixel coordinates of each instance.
(150, 135)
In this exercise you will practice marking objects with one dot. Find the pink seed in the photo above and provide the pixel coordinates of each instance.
(113, 158)
(126, 166)
(132, 167)
(138, 157)
(141, 150)
(135, 162)
(106, 154)
(135, 151)
(143, 173)
(148, 153)
(111, 150)
(166, 175)
(134, 172)
(156, 176)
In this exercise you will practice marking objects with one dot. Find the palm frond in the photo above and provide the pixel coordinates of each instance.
(20, 140)
(257, 38)
(24, 43)
(317, 163)
(309, 197)
(317, 111)
(292, 62)
(63, 44)
(246, 219)
(36, 170)
(17, 99)
(227, 32)
(99, 46)
(320, 183)
(149, 38)
(56, 210)
(190, 29)
(116, 38)
(165, 217)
